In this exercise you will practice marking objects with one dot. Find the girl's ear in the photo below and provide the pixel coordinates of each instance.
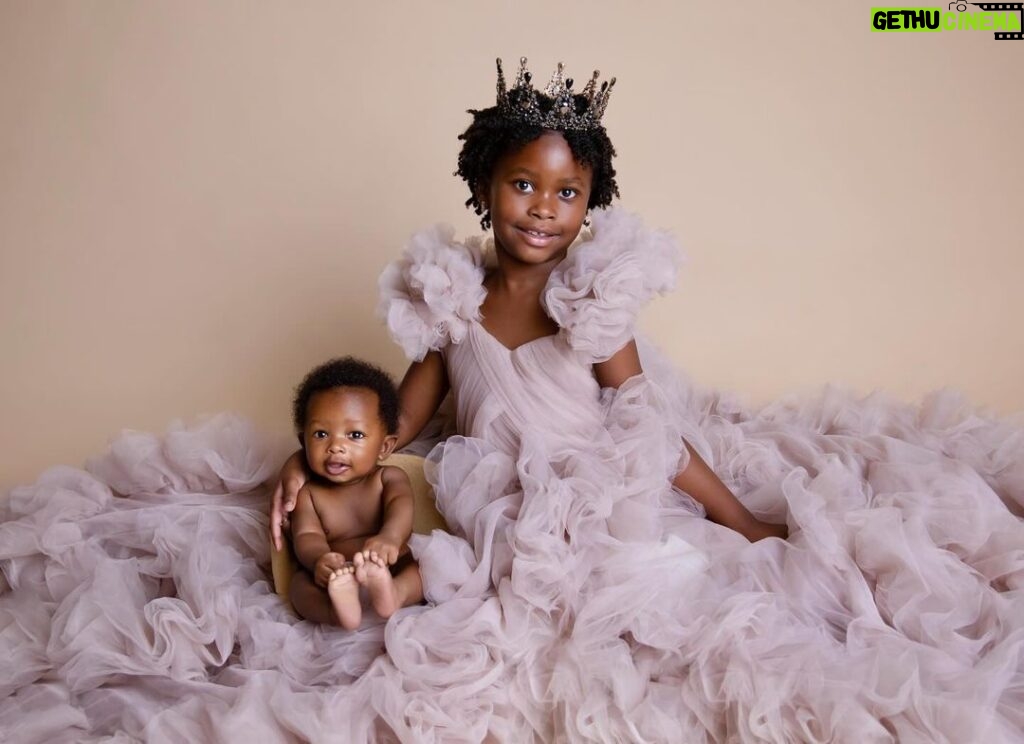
(387, 447)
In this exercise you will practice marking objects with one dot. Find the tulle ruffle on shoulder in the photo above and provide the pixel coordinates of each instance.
(430, 295)
(597, 292)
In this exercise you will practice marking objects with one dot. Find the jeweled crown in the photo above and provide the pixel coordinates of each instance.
(555, 106)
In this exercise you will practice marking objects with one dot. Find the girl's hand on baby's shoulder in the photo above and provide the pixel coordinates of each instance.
(286, 493)
(326, 565)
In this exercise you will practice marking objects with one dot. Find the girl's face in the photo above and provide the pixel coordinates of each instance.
(538, 200)
(344, 437)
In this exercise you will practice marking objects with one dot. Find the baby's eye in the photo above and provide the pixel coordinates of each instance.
(568, 193)
(319, 434)
(357, 435)
(525, 186)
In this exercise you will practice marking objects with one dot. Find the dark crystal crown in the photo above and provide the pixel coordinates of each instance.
(555, 106)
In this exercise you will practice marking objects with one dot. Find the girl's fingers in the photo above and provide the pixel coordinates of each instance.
(290, 495)
(276, 517)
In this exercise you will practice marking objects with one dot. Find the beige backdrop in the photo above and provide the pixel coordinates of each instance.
(196, 197)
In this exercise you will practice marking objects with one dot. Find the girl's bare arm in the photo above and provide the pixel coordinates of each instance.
(696, 479)
(419, 396)
(293, 477)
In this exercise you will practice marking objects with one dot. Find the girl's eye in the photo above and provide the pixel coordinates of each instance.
(319, 434)
(525, 186)
(568, 193)
(357, 435)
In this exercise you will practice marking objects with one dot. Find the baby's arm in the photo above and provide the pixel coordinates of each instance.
(696, 479)
(310, 541)
(397, 508)
(419, 396)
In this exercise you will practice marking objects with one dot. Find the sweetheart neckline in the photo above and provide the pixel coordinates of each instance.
(511, 349)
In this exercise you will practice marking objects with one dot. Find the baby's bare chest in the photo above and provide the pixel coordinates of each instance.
(348, 513)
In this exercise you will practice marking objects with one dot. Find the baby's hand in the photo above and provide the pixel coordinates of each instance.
(326, 565)
(383, 546)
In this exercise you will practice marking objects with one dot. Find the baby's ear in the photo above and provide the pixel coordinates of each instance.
(387, 447)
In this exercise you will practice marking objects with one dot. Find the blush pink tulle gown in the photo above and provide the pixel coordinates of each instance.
(578, 597)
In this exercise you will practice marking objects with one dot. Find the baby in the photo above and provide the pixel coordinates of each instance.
(354, 515)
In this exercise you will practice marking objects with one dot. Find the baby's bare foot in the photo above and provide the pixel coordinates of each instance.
(344, 593)
(373, 573)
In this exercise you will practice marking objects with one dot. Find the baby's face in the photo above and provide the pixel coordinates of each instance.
(344, 436)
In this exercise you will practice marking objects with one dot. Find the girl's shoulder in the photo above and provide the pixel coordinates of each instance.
(431, 294)
(596, 294)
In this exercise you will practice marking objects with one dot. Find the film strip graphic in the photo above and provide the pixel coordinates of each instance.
(1003, 35)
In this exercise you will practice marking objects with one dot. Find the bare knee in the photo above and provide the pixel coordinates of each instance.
(409, 584)
(310, 601)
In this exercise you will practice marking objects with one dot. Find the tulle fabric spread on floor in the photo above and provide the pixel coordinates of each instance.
(577, 597)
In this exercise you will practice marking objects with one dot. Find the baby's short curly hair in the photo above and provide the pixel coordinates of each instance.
(348, 372)
(490, 136)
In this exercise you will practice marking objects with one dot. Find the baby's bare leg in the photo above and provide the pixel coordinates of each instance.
(409, 584)
(310, 601)
(344, 593)
(388, 593)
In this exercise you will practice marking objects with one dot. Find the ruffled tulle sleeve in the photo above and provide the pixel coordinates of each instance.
(432, 293)
(596, 293)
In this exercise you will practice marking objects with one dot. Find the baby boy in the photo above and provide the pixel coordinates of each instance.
(354, 516)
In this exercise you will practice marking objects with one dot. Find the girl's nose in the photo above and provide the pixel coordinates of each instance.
(542, 207)
(337, 445)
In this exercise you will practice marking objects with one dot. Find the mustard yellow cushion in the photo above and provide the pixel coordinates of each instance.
(425, 520)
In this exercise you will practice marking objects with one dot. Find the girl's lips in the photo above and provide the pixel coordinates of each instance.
(335, 468)
(536, 238)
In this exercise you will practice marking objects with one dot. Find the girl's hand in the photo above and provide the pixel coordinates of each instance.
(383, 546)
(293, 477)
(326, 565)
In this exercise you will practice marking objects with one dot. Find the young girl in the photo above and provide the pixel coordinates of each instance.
(533, 330)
